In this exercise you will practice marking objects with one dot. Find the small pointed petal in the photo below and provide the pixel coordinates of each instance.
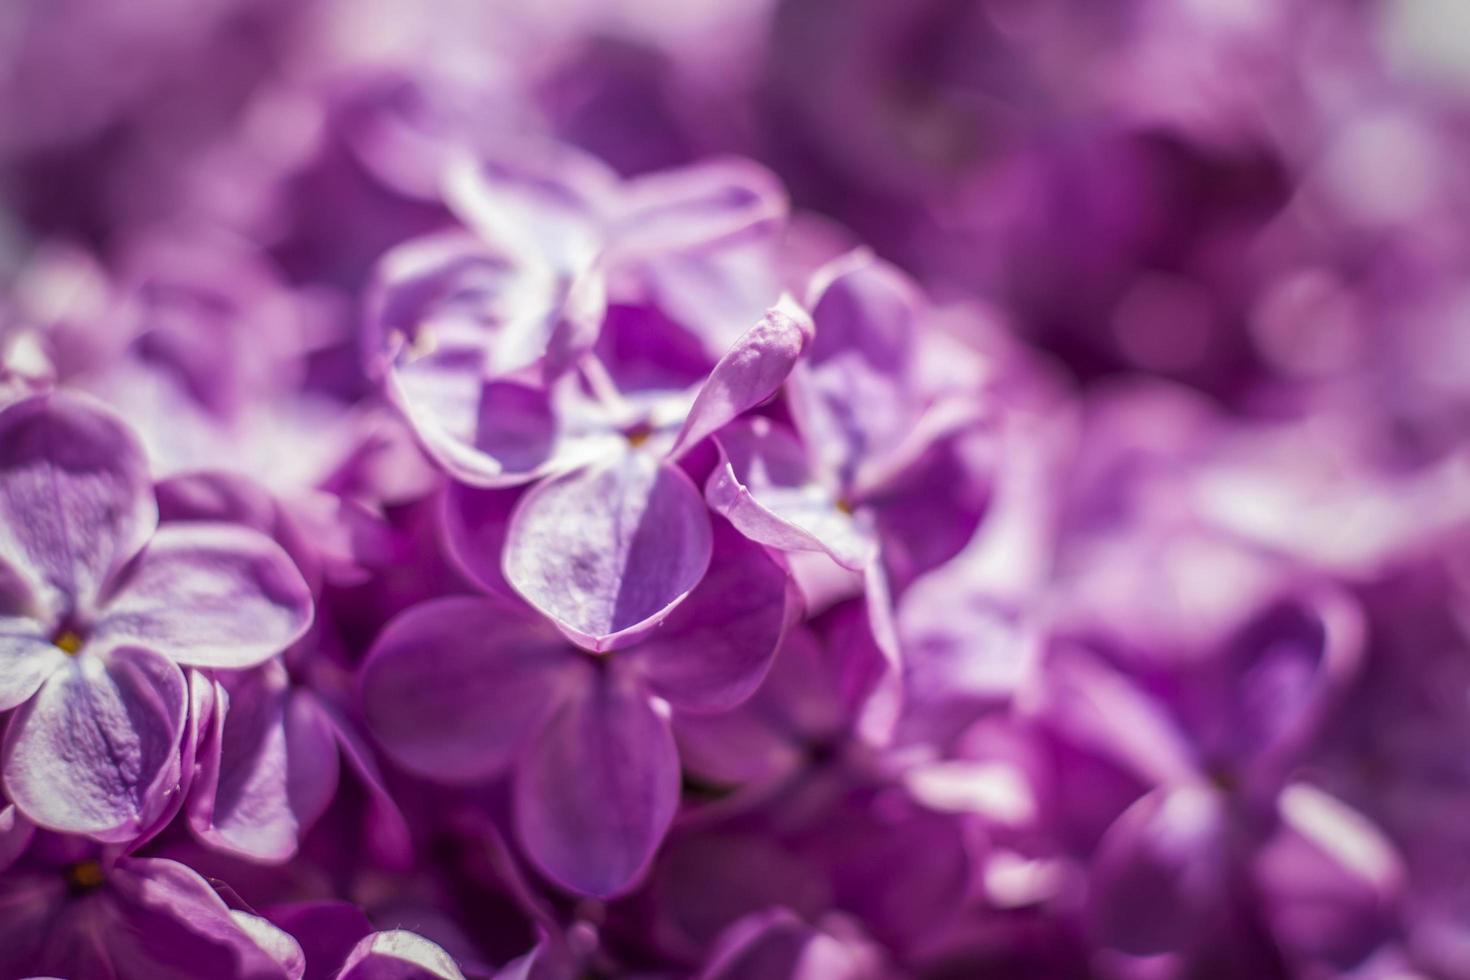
(715, 649)
(209, 595)
(609, 550)
(454, 687)
(75, 497)
(764, 486)
(596, 833)
(749, 373)
(96, 751)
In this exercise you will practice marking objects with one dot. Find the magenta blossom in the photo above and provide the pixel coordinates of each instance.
(103, 609)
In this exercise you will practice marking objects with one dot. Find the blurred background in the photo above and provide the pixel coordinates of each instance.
(1232, 235)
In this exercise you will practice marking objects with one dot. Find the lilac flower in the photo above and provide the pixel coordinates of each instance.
(133, 918)
(429, 682)
(104, 608)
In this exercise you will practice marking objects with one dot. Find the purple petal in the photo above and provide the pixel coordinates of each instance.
(777, 945)
(699, 206)
(765, 487)
(327, 932)
(475, 522)
(398, 955)
(1159, 875)
(386, 832)
(453, 687)
(853, 403)
(597, 832)
(209, 595)
(96, 751)
(520, 311)
(548, 203)
(609, 550)
(29, 906)
(714, 650)
(27, 658)
(171, 924)
(268, 767)
(749, 373)
(15, 835)
(75, 500)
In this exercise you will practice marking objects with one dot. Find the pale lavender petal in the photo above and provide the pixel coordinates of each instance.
(209, 595)
(713, 651)
(96, 751)
(609, 550)
(268, 768)
(275, 942)
(398, 955)
(75, 499)
(548, 202)
(853, 401)
(596, 833)
(521, 311)
(454, 687)
(475, 523)
(764, 486)
(171, 925)
(701, 206)
(27, 658)
(750, 372)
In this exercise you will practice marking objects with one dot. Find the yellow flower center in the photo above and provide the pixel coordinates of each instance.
(69, 640)
(84, 875)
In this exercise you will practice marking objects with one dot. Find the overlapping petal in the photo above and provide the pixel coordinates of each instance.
(453, 688)
(75, 504)
(597, 833)
(96, 751)
(208, 595)
(607, 551)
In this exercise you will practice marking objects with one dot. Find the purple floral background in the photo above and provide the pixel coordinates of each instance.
(735, 489)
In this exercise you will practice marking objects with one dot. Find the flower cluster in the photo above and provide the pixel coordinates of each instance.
(775, 490)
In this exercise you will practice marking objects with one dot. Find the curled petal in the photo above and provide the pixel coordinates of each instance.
(75, 499)
(398, 955)
(454, 687)
(326, 930)
(715, 649)
(520, 311)
(749, 373)
(609, 550)
(475, 521)
(171, 924)
(268, 768)
(96, 751)
(596, 833)
(209, 595)
(698, 207)
(765, 488)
